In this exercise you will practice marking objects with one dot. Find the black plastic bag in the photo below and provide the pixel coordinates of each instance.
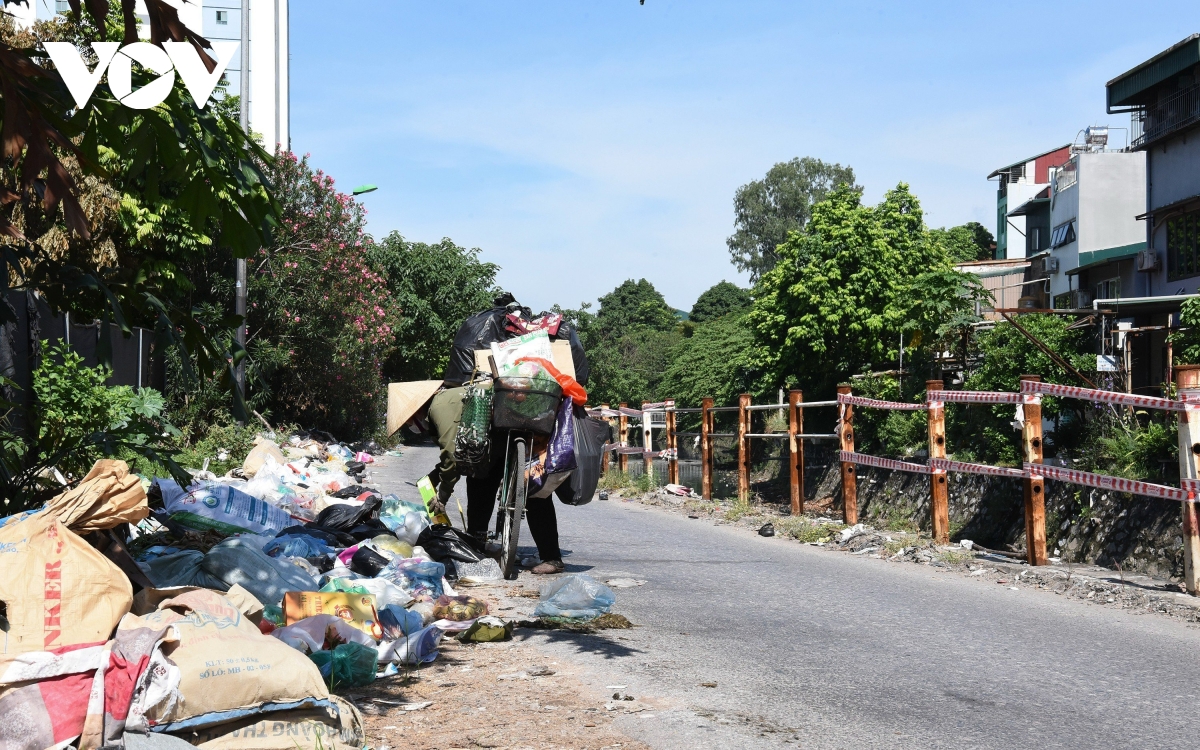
(477, 332)
(368, 529)
(367, 562)
(353, 491)
(590, 436)
(346, 517)
(332, 537)
(444, 542)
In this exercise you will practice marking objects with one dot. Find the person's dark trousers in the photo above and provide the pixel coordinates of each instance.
(539, 513)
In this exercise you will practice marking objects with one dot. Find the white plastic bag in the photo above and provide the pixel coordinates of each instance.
(413, 650)
(576, 596)
(308, 635)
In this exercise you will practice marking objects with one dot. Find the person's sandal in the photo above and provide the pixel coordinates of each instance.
(548, 568)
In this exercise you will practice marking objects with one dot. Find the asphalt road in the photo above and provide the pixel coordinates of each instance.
(818, 649)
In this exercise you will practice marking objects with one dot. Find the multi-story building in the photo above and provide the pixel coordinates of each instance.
(1095, 237)
(1163, 94)
(220, 20)
(1020, 225)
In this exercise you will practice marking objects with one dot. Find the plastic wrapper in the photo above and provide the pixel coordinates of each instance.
(459, 608)
(408, 527)
(487, 630)
(347, 665)
(575, 596)
(486, 570)
(424, 608)
(417, 577)
(299, 545)
(320, 633)
(413, 650)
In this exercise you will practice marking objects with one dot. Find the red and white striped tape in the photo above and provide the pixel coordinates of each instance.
(944, 464)
(882, 463)
(603, 413)
(1102, 397)
(1192, 487)
(874, 403)
(627, 412)
(1105, 482)
(973, 397)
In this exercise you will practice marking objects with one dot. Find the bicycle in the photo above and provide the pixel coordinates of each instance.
(523, 407)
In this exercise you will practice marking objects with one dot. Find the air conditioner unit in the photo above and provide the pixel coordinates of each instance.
(1051, 265)
(1080, 298)
(1147, 260)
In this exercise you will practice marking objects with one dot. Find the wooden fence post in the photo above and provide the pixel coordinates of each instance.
(1187, 380)
(796, 450)
(743, 448)
(647, 444)
(706, 457)
(939, 489)
(604, 462)
(672, 445)
(623, 428)
(1035, 494)
(849, 477)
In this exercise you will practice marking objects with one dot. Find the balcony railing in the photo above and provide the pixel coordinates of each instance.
(1168, 116)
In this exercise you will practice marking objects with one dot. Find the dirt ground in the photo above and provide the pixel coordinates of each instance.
(493, 695)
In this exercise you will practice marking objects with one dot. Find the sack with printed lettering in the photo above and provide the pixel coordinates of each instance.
(56, 589)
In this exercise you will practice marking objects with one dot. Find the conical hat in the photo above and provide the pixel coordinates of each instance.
(406, 399)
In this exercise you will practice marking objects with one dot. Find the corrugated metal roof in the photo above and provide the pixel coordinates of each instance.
(1124, 88)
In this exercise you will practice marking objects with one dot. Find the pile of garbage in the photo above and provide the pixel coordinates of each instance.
(235, 607)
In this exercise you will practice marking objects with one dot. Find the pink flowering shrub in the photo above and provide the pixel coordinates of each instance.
(320, 320)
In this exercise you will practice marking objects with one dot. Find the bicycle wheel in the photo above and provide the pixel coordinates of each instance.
(517, 485)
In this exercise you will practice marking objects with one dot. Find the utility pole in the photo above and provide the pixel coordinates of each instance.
(239, 293)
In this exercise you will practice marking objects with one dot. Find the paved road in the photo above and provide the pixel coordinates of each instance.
(826, 650)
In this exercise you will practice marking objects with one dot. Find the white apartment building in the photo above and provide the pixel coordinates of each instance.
(220, 20)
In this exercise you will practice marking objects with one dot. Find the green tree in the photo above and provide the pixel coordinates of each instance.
(714, 362)
(634, 305)
(985, 433)
(845, 289)
(718, 301)
(436, 286)
(966, 242)
(766, 211)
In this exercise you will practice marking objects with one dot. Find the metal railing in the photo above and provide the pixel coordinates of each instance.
(1174, 113)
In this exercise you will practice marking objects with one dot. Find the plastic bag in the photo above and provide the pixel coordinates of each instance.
(486, 570)
(560, 453)
(346, 517)
(570, 385)
(367, 562)
(459, 608)
(577, 596)
(413, 650)
(591, 435)
(444, 542)
(347, 665)
(391, 547)
(487, 630)
(408, 527)
(298, 545)
(398, 622)
(218, 506)
(320, 633)
(236, 561)
(417, 577)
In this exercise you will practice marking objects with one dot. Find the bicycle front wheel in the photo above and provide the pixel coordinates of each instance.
(513, 510)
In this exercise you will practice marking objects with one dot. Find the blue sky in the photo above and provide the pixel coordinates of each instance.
(583, 143)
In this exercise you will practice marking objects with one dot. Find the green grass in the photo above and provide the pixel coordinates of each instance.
(804, 530)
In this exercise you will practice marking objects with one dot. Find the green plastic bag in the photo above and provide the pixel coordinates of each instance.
(344, 585)
(472, 445)
(347, 665)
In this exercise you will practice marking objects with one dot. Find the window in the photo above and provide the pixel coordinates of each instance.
(1063, 234)
(1033, 241)
(223, 17)
(1108, 289)
(1183, 239)
(61, 6)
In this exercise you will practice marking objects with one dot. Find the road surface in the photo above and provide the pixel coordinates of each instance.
(817, 649)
